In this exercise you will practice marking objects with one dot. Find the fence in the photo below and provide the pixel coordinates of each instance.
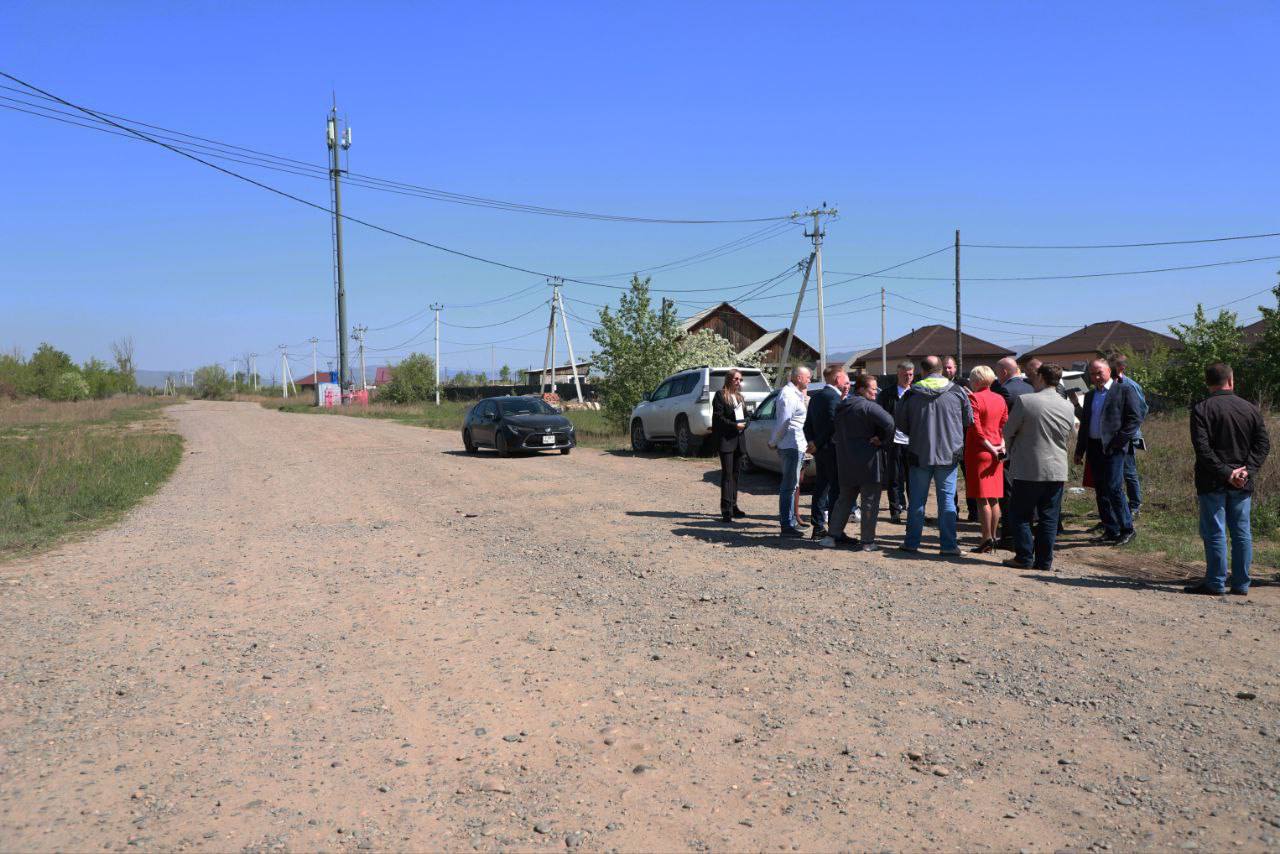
(480, 392)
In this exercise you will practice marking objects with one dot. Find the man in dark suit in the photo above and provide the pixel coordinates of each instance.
(1109, 421)
(819, 427)
(864, 431)
(895, 482)
(1010, 384)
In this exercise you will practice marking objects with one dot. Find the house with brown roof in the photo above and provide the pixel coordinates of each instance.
(747, 337)
(1252, 333)
(932, 340)
(1076, 349)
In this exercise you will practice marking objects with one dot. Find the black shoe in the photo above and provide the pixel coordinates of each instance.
(1039, 568)
(791, 533)
(895, 518)
(1096, 528)
(846, 540)
(738, 513)
(728, 519)
(1104, 540)
(1014, 563)
(818, 533)
(908, 550)
(1239, 591)
(1125, 538)
(1203, 589)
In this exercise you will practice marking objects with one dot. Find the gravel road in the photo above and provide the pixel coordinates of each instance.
(329, 633)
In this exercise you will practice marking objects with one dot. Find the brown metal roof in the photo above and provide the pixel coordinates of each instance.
(1252, 333)
(934, 340)
(1104, 336)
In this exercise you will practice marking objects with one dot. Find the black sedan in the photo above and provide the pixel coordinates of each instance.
(516, 424)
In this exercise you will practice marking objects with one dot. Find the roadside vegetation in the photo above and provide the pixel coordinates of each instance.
(52, 375)
(67, 468)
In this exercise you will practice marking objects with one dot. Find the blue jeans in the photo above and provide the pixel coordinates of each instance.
(1132, 486)
(1041, 499)
(918, 480)
(826, 485)
(791, 459)
(1220, 512)
(1108, 485)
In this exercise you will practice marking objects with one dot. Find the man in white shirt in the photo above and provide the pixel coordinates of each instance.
(788, 438)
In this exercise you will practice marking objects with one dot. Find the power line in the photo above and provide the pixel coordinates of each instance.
(537, 307)
(1122, 245)
(438, 194)
(1071, 276)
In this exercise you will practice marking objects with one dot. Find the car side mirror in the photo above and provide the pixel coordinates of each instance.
(648, 395)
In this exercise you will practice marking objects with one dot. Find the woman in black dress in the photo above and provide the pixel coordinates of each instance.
(729, 419)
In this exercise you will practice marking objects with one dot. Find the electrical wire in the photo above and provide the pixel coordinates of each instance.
(537, 307)
(1070, 276)
(403, 187)
(1122, 245)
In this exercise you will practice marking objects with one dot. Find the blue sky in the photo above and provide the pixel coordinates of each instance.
(1016, 123)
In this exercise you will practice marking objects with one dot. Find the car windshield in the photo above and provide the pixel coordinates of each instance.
(525, 406)
(751, 381)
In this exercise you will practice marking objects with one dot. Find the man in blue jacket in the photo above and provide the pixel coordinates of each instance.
(1132, 486)
(1109, 422)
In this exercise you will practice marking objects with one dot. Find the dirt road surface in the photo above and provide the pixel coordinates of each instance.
(329, 633)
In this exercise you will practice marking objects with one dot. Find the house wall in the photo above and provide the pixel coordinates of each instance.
(872, 364)
(738, 331)
(772, 354)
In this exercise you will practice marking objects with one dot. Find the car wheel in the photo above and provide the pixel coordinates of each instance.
(687, 445)
(500, 443)
(467, 443)
(565, 451)
(639, 443)
(747, 464)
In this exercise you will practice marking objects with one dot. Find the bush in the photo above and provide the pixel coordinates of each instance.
(212, 383)
(69, 386)
(413, 380)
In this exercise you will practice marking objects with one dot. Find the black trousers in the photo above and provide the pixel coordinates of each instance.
(896, 479)
(826, 485)
(730, 469)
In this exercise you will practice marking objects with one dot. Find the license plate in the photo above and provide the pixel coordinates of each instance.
(548, 440)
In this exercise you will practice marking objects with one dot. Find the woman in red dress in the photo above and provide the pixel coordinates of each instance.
(983, 454)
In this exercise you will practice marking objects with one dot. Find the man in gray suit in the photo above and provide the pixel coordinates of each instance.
(863, 436)
(1037, 433)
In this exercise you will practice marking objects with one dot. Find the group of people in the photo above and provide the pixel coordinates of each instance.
(1008, 432)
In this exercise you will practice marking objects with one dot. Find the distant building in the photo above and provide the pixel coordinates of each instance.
(932, 340)
(311, 380)
(563, 374)
(1075, 350)
(749, 338)
(382, 375)
(1252, 333)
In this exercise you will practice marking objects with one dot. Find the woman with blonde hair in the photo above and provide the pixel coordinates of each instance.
(984, 454)
(728, 420)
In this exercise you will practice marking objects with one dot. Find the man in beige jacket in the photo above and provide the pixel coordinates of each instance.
(1037, 433)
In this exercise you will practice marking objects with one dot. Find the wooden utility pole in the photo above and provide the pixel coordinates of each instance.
(959, 342)
(884, 353)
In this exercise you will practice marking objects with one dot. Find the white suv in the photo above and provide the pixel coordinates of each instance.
(679, 409)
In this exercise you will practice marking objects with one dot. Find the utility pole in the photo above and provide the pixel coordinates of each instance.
(435, 306)
(252, 371)
(493, 366)
(959, 343)
(284, 373)
(795, 318)
(816, 235)
(558, 300)
(358, 334)
(884, 353)
(549, 354)
(314, 368)
(335, 142)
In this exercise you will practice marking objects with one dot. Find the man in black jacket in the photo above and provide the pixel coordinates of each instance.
(1230, 442)
(819, 430)
(895, 482)
(1109, 421)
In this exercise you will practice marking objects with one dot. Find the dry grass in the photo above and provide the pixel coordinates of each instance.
(66, 468)
(34, 411)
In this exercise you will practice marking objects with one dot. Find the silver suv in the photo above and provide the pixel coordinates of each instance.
(679, 409)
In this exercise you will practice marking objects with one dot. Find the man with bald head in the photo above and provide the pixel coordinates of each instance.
(1010, 382)
(1109, 423)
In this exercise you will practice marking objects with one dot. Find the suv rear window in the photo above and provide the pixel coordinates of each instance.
(751, 381)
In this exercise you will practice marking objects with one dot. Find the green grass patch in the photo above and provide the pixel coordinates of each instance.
(67, 469)
(590, 424)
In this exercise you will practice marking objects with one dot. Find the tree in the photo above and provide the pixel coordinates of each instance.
(705, 347)
(212, 383)
(102, 381)
(637, 350)
(1261, 370)
(504, 373)
(47, 365)
(1179, 377)
(413, 380)
(122, 353)
(14, 375)
(69, 386)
